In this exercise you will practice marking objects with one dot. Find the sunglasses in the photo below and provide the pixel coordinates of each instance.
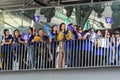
(79, 29)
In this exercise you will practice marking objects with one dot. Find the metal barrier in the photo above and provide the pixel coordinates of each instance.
(65, 54)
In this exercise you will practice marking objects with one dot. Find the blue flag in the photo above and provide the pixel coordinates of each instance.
(48, 31)
(70, 28)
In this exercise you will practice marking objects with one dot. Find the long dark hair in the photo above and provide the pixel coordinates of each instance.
(52, 29)
(14, 33)
(4, 32)
(61, 26)
(31, 29)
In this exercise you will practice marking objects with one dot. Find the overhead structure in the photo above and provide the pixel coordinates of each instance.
(18, 4)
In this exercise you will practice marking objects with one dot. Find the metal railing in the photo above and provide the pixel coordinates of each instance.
(100, 52)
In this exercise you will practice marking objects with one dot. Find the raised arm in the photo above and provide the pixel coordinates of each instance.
(86, 35)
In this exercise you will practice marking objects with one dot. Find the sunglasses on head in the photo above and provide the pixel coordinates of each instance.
(79, 29)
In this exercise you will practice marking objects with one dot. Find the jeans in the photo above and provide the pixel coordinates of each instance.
(69, 53)
(30, 56)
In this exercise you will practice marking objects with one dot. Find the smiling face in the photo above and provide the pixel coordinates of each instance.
(99, 33)
(40, 33)
(7, 33)
(63, 27)
(16, 33)
(80, 30)
(30, 30)
(55, 28)
(108, 35)
(34, 30)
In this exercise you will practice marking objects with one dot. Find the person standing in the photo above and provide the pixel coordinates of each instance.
(53, 44)
(6, 49)
(30, 49)
(62, 59)
(18, 48)
(42, 50)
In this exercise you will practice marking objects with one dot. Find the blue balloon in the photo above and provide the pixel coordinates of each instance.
(36, 18)
(109, 20)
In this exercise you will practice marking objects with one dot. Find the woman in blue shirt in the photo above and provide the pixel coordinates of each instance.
(83, 46)
(78, 42)
(6, 49)
(18, 48)
(53, 43)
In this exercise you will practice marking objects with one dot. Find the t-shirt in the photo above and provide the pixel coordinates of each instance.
(8, 38)
(54, 42)
(20, 45)
(79, 35)
(53, 36)
(6, 47)
(31, 37)
(44, 38)
(86, 44)
(41, 44)
(15, 40)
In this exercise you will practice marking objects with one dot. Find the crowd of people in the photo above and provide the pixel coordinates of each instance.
(69, 46)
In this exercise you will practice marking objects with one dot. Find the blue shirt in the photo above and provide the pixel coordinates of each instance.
(53, 36)
(78, 43)
(84, 45)
(31, 37)
(77, 36)
(8, 38)
(54, 42)
(17, 44)
(6, 47)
